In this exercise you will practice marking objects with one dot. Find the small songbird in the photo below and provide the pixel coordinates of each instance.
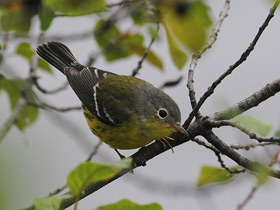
(123, 111)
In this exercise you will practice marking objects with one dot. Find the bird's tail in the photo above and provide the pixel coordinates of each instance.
(57, 54)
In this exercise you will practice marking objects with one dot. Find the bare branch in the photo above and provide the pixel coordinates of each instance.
(245, 130)
(197, 56)
(243, 57)
(240, 160)
(252, 101)
(148, 152)
(249, 146)
(248, 198)
(50, 107)
(45, 91)
(218, 154)
(139, 66)
(94, 151)
(13, 118)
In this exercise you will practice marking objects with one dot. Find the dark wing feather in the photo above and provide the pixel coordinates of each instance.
(85, 85)
(83, 80)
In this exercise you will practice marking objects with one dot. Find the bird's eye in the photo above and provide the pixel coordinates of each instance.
(162, 113)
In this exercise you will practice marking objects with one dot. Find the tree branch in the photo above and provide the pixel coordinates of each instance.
(197, 56)
(249, 146)
(139, 65)
(218, 154)
(252, 101)
(45, 91)
(245, 130)
(240, 160)
(243, 57)
(146, 153)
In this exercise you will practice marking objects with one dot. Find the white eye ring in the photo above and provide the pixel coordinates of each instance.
(162, 113)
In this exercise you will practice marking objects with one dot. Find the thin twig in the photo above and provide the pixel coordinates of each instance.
(45, 91)
(248, 198)
(252, 101)
(139, 65)
(94, 151)
(249, 146)
(213, 37)
(245, 130)
(5, 41)
(50, 107)
(243, 57)
(218, 154)
(13, 118)
(58, 190)
(240, 160)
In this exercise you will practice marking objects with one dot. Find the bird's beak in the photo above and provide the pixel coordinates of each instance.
(178, 127)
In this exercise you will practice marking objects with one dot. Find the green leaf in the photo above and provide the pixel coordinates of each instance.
(45, 66)
(261, 173)
(14, 18)
(153, 32)
(0, 46)
(188, 21)
(75, 7)
(178, 56)
(89, 172)
(50, 203)
(25, 50)
(132, 39)
(13, 88)
(210, 175)
(108, 36)
(256, 125)
(117, 45)
(129, 205)
(46, 16)
(141, 14)
(152, 57)
(28, 116)
(277, 133)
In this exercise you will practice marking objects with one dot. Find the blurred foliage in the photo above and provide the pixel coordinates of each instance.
(14, 88)
(129, 205)
(16, 14)
(50, 203)
(25, 50)
(116, 45)
(185, 22)
(256, 125)
(210, 175)
(76, 8)
(262, 174)
(46, 16)
(89, 172)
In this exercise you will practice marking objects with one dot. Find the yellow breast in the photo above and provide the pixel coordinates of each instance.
(129, 135)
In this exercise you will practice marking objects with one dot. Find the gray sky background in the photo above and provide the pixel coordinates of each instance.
(36, 162)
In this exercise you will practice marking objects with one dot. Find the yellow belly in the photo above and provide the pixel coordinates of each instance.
(127, 135)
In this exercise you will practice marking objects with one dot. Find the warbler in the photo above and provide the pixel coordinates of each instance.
(122, 111)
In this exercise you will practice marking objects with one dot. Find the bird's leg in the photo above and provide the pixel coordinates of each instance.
(123, 157)
(119, 154)
(164, 141)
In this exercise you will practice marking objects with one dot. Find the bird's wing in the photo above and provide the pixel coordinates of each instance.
(85, 84)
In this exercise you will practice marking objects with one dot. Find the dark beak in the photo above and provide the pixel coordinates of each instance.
(180, 128)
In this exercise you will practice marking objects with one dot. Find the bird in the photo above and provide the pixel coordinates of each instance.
(124, 112)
